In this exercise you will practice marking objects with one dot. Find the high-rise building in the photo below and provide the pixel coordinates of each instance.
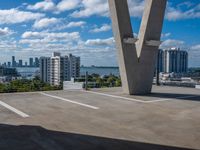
(159, 65)
(4, 64)
(9, 64)
(45, 69)
(13, 61)
(20, 63)
(37, 62)
(56, 69)
(74, 63)
(173, 60)
(31, 64)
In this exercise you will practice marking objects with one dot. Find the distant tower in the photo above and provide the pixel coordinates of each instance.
(9, 64)
(31, 62)
(13, 61)
(20, 63)
(37, 62)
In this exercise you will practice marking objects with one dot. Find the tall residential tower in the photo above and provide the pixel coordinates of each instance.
(173, 60)
(56, 69)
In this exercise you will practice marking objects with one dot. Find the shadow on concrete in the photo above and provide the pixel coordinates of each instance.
(38, 138)
(191, 97)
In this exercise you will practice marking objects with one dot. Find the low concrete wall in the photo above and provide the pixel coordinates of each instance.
(197, 86)
(67, 85)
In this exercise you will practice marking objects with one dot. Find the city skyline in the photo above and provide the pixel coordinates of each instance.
(13, 62)
(41, 27)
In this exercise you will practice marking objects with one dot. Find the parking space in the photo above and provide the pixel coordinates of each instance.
(166, 117)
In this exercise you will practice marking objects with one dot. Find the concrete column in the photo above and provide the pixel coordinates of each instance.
(137, 59)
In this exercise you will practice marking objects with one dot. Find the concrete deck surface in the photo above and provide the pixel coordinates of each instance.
(101, 119)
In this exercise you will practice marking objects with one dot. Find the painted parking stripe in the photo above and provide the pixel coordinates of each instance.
(20, 113)
(70, 101)
(115, 96)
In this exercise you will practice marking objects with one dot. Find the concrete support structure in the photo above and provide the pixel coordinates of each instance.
(137, 57)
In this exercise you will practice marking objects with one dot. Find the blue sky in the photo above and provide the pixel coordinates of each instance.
(33, 28)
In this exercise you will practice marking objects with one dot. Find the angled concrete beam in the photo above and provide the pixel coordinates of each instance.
(137, 59)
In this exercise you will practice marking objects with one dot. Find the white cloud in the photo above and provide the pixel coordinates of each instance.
(174, 13)
(136, 7)
(49, 5)
(12, 16)
(87, 8)
(63, 24)
(75, 24)
(101, 8)
(165, 35)
(49, 36)
(92, 7)
(8, 44)
(46, 5)
(100, 42)
(172, 43)
(30, 34)
(5, 31)
(196, 47)
(103, 28)
(45, 22)
(65, 5)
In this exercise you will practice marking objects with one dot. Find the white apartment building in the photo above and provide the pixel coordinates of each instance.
(56, 69)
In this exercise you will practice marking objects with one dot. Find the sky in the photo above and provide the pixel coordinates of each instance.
(34, 28)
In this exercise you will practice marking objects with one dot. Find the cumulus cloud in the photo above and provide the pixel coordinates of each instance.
(46, 5)
(51, 36)
(196, 47)
(100, 42)
(65, 5)
(165, 35)
(49, 5)
(45, 22)
(87, 8)
(101, 8)
(75, 24)
(103, 28)
(5, 31)
(176, 13)
(12, 16)
(56, 24)
(172, 43)
(136, 7)
(92, 7)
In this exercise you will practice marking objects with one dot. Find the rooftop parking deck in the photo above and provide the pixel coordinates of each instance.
(102, 119)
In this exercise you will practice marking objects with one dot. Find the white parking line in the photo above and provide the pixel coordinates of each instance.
(140, 101)
(20, 113)
(70, 101)
(115, 96)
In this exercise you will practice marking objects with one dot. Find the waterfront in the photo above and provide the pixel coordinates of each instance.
(100, 70)
(30, 71)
